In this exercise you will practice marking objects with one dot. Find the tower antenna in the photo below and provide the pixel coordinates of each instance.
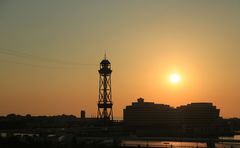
(105, 55)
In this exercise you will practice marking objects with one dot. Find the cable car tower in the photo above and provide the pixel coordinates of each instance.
(105, 92)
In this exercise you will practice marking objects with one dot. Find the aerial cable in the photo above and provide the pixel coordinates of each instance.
(21, 54)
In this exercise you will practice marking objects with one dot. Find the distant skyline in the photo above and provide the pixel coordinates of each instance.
(50, 53)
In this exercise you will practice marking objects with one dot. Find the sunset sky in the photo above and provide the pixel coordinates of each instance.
(50, 53)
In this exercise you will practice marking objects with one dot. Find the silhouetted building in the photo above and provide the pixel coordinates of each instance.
(147, 117)
(199, 117)
(191, 119)
(83, 114)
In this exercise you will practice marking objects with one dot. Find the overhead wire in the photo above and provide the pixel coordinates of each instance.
(42, 59)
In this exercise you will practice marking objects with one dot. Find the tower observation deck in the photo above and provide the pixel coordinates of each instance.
(105, 92)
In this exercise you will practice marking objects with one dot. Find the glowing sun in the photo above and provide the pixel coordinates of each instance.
(175, 78)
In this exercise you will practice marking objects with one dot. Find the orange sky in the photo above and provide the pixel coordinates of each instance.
(44, 46)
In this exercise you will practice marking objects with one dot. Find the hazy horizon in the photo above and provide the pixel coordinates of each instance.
(50, 53)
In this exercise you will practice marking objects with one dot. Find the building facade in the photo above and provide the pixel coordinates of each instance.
(193, 119)
(199, 118)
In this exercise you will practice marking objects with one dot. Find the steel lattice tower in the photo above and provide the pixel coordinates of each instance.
(105, 92)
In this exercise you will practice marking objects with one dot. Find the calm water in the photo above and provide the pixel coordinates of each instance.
(235, 137)
(169, 144)
(177, 144)
(163, 144)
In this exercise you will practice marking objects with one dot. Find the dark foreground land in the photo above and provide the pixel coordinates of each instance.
(40, 142)
(69, 132)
